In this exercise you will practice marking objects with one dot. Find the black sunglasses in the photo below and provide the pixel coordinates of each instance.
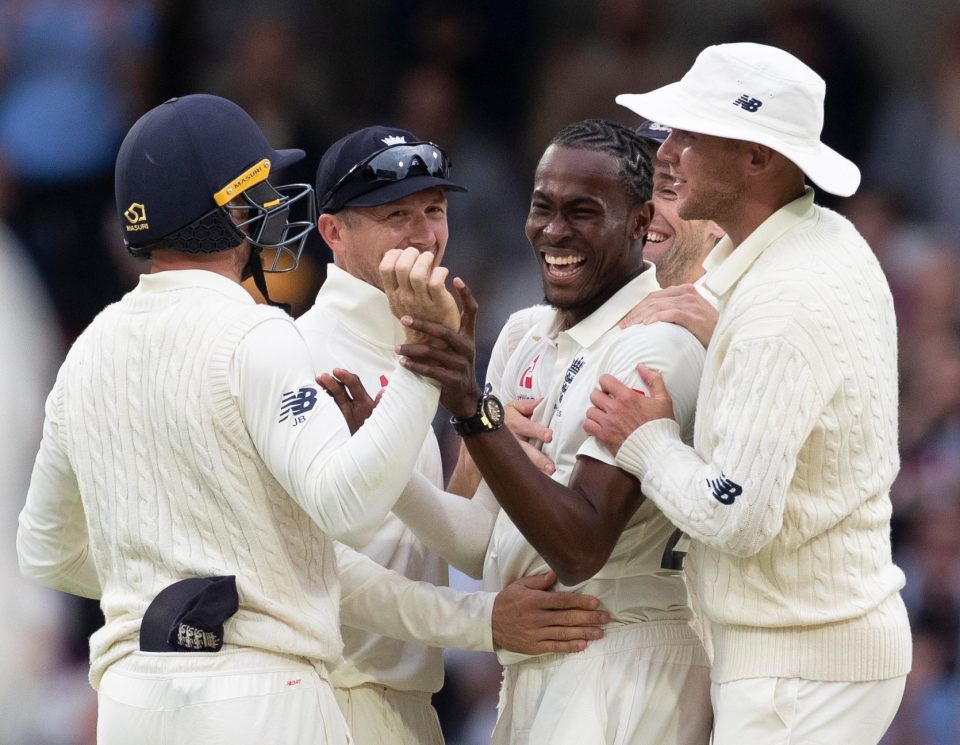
(395, 163)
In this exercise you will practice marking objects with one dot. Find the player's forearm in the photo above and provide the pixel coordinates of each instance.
(74, 573)
(554, 518)
(53, 549)
(349, 493)
(466, 476)
(735, 501)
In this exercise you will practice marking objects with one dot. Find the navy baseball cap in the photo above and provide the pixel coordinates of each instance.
(653, 131)
(188, 616)
(377, 165)
(186, 157)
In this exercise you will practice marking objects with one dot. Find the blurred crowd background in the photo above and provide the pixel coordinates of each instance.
(491, 81)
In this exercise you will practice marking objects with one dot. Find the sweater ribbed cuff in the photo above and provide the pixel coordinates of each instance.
(645, 445)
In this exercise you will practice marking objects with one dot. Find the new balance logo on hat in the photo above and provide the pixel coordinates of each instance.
(748, 104)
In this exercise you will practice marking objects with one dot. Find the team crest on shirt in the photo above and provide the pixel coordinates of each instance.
(294, 405)
(526, 377)
(575, 367)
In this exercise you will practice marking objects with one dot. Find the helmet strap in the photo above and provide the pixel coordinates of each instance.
(254, 268)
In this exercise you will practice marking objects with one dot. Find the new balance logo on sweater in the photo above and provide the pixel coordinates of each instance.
(725, 491)
(297, 403)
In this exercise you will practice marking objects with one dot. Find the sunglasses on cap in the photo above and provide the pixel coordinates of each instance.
(395, 163)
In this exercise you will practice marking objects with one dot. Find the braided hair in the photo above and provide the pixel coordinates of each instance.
(605, 136)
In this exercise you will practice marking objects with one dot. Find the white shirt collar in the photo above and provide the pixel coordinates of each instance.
(727, 263)
(604, 318)
(361, 307)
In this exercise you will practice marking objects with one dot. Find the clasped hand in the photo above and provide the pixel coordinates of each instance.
(416, 287)
(446, 353)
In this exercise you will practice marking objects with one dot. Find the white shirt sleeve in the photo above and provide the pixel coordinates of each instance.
(346, 484)
(53, 546)
(384, 602)
(456, 528)
(672, 351)
(512, 333)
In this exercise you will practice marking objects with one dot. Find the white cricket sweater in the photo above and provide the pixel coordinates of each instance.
(786, 492)
(185, 437)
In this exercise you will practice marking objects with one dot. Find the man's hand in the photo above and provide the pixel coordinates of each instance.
(618, 410)
(681, 305)
(530, 618)
(447, 356)
(415, 287)
(517, 417)
(350, 396)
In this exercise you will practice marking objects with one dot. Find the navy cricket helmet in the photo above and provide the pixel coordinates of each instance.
(193, 175)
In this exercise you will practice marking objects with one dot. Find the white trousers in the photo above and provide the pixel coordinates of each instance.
(232, 697)
(644, 684)
(382, 716)
(791, 711)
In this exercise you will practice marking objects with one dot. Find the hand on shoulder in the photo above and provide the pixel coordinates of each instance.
(682, 305)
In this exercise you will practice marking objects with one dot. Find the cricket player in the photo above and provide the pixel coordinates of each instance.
(646, 681)
(381, 188)
(190, 476)
(785, 492)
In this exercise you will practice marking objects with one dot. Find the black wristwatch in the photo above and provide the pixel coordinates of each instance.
(489, 417)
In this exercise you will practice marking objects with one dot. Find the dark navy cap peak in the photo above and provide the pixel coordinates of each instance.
(653, 131)
(353, 149)
(186, 157)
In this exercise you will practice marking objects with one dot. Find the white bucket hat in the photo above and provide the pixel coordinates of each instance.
(755, 93)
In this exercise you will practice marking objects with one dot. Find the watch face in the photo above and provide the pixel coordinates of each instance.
(493, 410)
(489, 417)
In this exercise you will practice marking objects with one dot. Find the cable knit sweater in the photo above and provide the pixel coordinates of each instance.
(786, 491)
(174, 447)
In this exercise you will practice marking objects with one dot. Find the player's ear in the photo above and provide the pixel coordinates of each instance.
(331, 228)
(761, 157)
(716, 232)
(640, 219)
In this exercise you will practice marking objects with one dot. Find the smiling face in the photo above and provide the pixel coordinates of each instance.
(678, 247)
(585, 233)
(360, 236)
(709, 180)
